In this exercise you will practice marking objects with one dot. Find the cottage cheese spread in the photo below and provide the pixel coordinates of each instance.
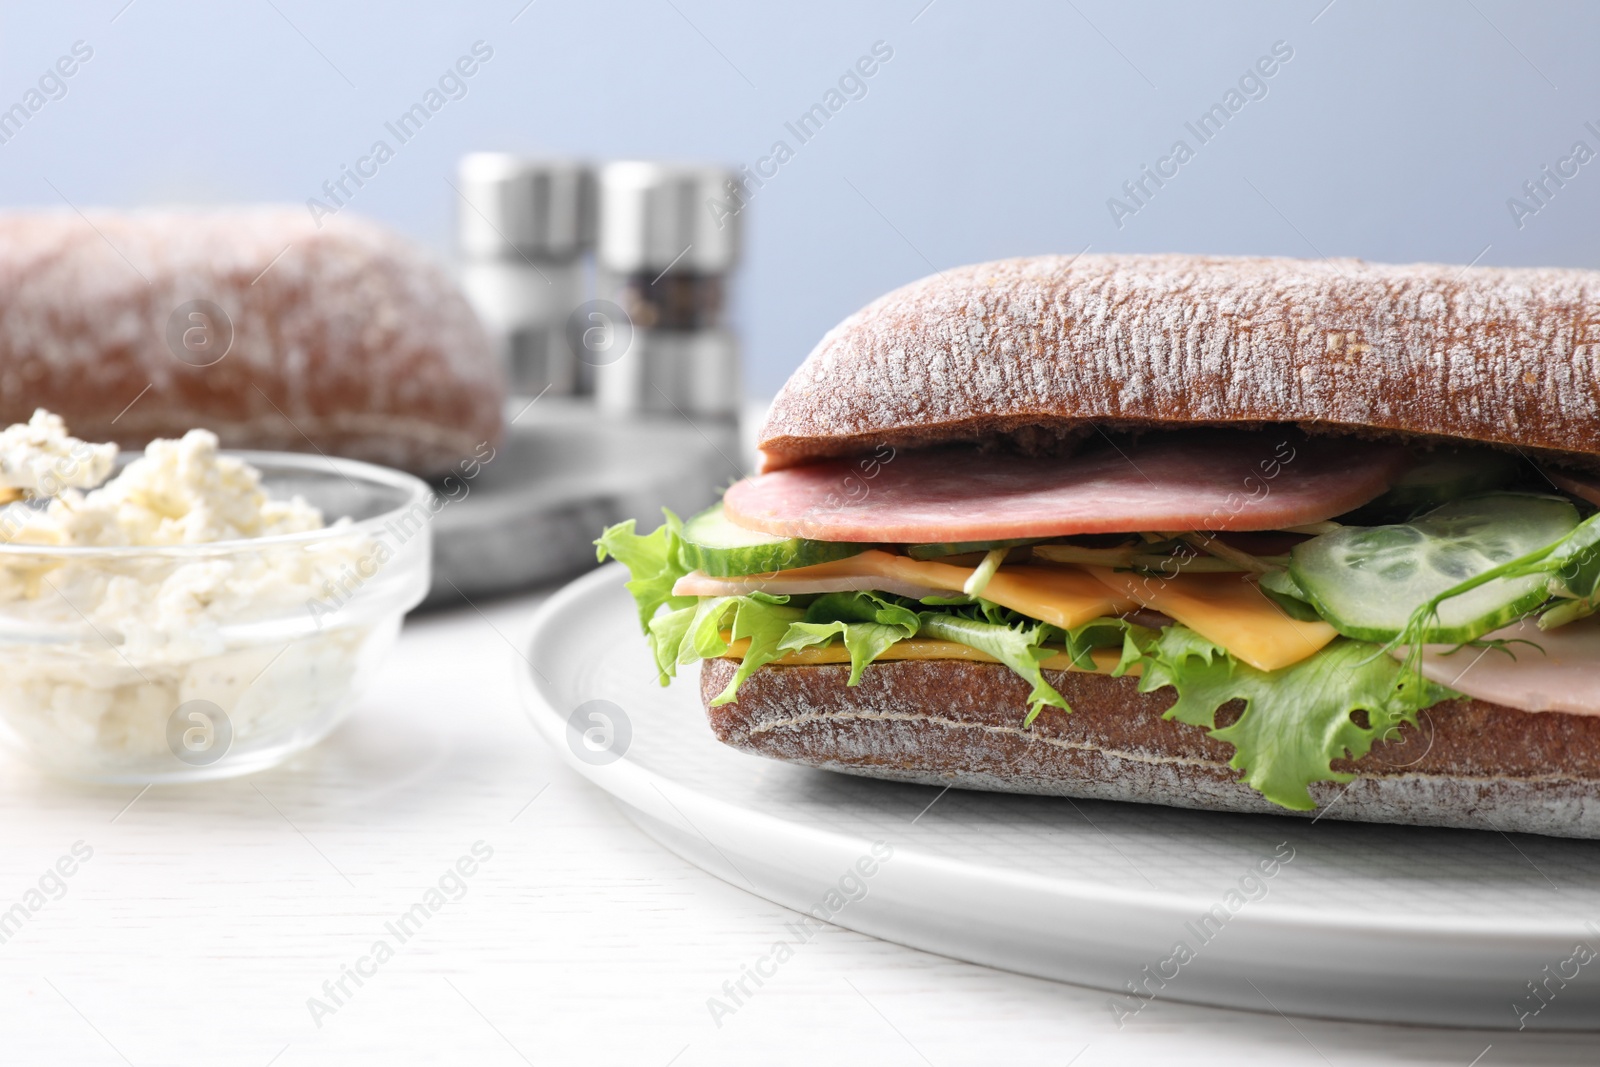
(178, 493)
(98, 650)
(38, 456)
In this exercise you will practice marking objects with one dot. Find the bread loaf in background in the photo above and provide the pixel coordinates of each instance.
(1044, 349)
(342, 338)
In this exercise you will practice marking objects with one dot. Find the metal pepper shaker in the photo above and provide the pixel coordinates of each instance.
(524, 227)
(668, 242)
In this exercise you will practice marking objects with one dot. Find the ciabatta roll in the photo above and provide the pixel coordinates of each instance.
(1245, 534)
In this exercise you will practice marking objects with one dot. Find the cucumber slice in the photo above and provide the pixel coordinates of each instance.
(1438, 478)
(1367, 581)
(713, 544)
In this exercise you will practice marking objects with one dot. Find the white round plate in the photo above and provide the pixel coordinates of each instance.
(1402, 924)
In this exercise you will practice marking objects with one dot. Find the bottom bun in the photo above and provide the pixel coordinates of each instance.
(1466, 763)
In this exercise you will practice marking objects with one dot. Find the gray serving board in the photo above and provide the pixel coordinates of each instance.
(564, 472)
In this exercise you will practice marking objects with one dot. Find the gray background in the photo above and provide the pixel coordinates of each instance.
(1397, 132)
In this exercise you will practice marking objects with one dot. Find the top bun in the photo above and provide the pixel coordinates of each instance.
(1042, 350)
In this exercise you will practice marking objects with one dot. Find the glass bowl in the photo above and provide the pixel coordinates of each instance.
(189, 662)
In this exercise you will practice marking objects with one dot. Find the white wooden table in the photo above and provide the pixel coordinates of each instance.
(207, 917)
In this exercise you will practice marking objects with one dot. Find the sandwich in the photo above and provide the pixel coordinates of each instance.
(1244, 534)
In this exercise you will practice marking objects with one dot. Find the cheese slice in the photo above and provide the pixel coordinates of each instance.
(1226, 610)
(1064, 596)
(1105, 659)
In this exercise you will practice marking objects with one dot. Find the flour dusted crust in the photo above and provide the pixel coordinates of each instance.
(951, 722)
(1046, 348)
(347, 338)
(1036, 353)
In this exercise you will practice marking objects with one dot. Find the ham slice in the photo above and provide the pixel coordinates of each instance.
(1565, 676)
(1583, 485)
(1205, 480)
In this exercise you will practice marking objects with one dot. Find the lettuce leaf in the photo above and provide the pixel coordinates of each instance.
(868, 625)
(653, 563)
(1296, 720)
(1281, 588)
(667, 633)
(1020, 648)
(863, 607)
(865, 641)
(765, 624)
(1081, 643)
(694, 633)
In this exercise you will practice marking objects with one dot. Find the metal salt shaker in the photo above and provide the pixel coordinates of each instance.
(668, 240)
(524, 227)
